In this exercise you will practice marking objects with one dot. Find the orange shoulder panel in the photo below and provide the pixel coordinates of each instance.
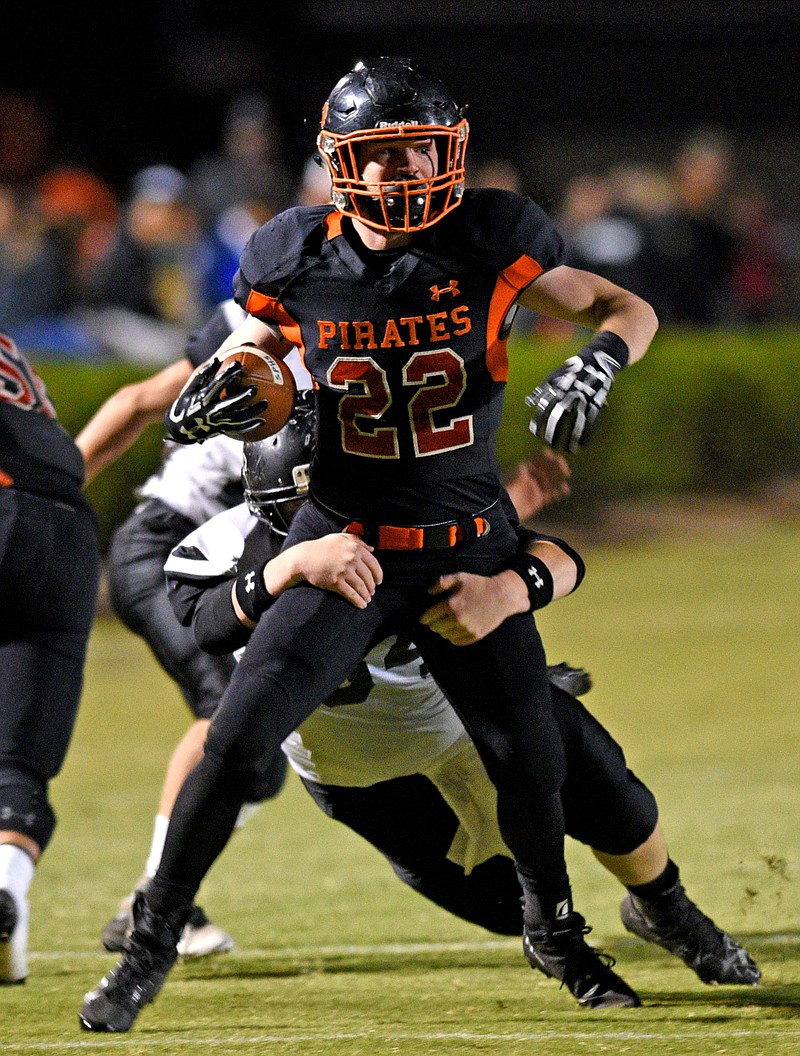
(509, 283)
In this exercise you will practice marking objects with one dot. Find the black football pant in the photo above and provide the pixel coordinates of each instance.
(49, 574)
(138, 592)
(408, 820)
(305, 646)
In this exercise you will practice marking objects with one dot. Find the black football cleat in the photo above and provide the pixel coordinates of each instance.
(558, 949)
(673, 921)
(150, 950)
(574, 680)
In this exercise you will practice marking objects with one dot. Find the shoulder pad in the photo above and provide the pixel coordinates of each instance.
(278, 249)
(499, 227)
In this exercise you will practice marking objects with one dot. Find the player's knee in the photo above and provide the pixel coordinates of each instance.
(616, 821)
(24, 807)
(266, 781)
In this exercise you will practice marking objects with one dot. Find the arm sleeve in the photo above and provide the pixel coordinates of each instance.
(216, 626)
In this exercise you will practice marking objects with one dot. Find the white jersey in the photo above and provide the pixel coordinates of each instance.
(198, 480)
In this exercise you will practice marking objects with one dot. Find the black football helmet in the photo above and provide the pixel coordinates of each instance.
(275, 471)
(390, 98)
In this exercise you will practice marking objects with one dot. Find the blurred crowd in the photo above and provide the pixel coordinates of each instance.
(91, 272)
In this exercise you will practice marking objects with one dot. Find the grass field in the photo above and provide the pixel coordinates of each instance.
(694, 644)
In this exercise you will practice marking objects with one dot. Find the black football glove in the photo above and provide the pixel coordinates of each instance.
(573, 680)
(566, 404)
(201, 411)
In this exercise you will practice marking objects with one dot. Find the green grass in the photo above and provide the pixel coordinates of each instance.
(694, 645)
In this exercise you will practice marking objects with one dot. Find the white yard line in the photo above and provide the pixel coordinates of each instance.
(399, 948)
(231, 1041)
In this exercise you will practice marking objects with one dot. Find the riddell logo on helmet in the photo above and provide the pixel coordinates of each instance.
(394, 124)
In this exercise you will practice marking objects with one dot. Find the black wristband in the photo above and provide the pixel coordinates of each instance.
(536, 576)
(611, 344)
(251, 593)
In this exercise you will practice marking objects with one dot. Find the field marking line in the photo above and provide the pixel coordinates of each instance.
(389, 1037)
(399, 948)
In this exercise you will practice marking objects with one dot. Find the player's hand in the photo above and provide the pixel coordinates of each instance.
(339, 562)
(204, 408)
(472, 606)
(543, 479)
(566, 404)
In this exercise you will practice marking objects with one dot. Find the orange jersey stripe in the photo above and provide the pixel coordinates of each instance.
(271, 310)
(509, 283)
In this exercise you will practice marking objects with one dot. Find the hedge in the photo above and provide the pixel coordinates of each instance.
(703, 411)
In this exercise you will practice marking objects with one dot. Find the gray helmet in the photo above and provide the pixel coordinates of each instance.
(275, 471)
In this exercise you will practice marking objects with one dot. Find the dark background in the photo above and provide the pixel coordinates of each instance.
(557, 87)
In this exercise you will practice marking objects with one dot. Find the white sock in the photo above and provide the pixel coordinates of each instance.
(16, 870)
(246, 811)
(160, 826)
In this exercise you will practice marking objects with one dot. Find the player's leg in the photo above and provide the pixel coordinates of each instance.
(136, 584)
(48, 586)
(408, 820)
(607, 807)
(301, 650)
(499, 688)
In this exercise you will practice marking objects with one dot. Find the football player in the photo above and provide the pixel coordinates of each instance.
(399, 296)
(49, 574)
(425, 800)
(194, 483)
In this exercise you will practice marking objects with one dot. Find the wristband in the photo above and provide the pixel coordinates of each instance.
(610, 344)
(251, 593)
(536, 576)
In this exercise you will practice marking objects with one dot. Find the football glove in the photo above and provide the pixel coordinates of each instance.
(566, 404)
(573, 680)
(207, 407)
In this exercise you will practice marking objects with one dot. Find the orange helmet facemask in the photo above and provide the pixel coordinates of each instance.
(388, 98)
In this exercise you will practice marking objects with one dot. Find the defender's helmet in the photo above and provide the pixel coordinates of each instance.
(389, 98)
(275, 471)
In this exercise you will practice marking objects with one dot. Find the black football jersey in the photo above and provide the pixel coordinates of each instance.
(36, 454)
(409, 361)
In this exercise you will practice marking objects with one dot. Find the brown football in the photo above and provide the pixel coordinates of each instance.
(273, 382)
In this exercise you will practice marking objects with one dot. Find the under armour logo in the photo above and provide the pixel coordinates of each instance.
(437, 291)
(250, 582)
(537, 579)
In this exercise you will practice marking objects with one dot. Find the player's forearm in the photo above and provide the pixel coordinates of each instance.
(113, 430)
(124, 416)
(561, 566)
(630, 318)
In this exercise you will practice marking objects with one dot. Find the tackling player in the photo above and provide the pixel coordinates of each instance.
(49, 574)
(424, 800)
(400, 297)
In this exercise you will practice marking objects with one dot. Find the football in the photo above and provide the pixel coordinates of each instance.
(273, 382)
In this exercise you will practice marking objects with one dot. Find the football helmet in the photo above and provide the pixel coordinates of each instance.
(275, 471)
(390, 98)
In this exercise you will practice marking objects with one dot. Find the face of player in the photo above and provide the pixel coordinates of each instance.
(395, 160)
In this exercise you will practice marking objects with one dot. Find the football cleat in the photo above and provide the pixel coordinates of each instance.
(674, 922)
(574, 680)
(14, 915)
(115, 932)
(200, 937)
(149, 952)
(558, 949)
